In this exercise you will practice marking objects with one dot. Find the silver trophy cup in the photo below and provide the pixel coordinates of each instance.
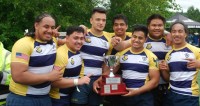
(111, 61)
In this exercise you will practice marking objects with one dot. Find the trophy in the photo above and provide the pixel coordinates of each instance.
(112, 84)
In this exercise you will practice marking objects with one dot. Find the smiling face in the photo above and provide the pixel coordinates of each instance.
(75, 41)
(178, 35)
(138, 39)
(44, 29)
(156, 28)
(98, 21)
(120, 27)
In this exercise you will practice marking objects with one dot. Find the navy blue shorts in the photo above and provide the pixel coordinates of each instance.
(18, 100)
(63, 101)
(87, 95)
(145, 99)
(175, 99)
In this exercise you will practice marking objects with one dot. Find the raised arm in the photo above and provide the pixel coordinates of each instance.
(120, 45)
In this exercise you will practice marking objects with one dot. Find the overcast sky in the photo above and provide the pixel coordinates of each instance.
(185, 4)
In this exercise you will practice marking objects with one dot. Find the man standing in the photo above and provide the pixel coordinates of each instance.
(120, 26)
(156, 42)
(96, 45)
(180, 68)
(68, 60)
(32, 62)
(139, 71)
(5, 74)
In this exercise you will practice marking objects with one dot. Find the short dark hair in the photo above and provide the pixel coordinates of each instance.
(72, 29)
(120, 16)
(179, 22)
(155, 16)
(142, 28)
(99, 10)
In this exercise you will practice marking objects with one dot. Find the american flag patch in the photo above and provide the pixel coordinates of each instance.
(22, 56)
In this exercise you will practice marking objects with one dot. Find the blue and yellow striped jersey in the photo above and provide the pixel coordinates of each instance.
(183, 80)
(72, 66)
(93, 51)
(135, 66)
(39, 57)
(158, 47)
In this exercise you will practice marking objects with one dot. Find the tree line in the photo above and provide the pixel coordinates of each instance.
(18, 15)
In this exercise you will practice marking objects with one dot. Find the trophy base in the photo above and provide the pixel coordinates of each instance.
(110, 89)
(112, 86)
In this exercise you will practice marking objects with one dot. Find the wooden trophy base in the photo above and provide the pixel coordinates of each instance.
(112, 86)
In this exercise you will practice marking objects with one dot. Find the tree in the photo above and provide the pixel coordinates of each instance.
(193, 14)
(137, 11)
(18, 15)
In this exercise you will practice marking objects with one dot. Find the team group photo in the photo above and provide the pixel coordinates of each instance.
(99, 53)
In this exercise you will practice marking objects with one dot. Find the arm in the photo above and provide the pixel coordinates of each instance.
(85, 29)
(154, 80)
(168, 38)
(120, 45)
(20, 74)
(68, 82)
(56, 34)
(61, 41)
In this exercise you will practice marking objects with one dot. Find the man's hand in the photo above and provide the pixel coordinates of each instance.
(164, 70)
(55, 75)
(163, 66)
(85, 29)
(169, 41)
(115, 40)
(55, 32)
(96, 85)
(132, 92)
(84, 80)
(193, 63)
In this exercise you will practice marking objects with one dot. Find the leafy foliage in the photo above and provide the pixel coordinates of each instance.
(138, 11)
(193, 13)
(18, 15)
